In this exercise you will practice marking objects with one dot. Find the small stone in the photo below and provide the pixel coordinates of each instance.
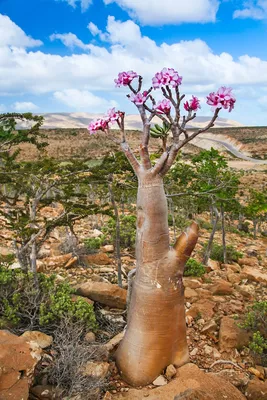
(97, 370)
(160, 381)
(170, 372)
(89, 337)
(194, 352)
(210, 326)
(256, 372)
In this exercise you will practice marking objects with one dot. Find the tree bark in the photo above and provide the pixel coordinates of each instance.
(208, 249)
(223, 235)
(156, 331)
(118, 234)
(255, 222)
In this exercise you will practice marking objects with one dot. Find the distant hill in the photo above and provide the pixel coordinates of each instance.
(82, 120)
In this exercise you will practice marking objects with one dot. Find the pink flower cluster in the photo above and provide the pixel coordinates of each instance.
(163, 107)
(223, 98)
(139, 98)
(124, 78)
(192, 105)
(98, 125)
(101, 124)
(168, 76)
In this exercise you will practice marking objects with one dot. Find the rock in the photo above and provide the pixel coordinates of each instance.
(191, 283)
(170, 372)
(214, 265)
(189, 377)
(210, 326)
(53, 262)
(232, 267)
(89, 337)
(96, 370)
(104, 293)
(15, 265)
(160, 381)
(259, 374)
(108, 248)
(97, 259)
(190, 293)
(234, 278)
(41, 339)
(45, 392)
(115, 341)
(251, 261)
(254, 274)
(71, 262)
(237, 378)
(18, 360)
(194, 352)
(256, 390)
(203, 308)
(96, 233)
(194, 394)
(221, 288)
(231, 336)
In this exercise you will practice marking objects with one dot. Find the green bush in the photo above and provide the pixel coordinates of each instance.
(92, 244)
(194, 268)
(217, 253)
(256, 322)
(127, 230)
(29, 303)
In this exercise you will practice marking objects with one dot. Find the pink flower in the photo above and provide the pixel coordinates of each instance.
(139, 98)
(163, 107)
(112, 115)
(223, 98)
(192, 105)
(124, 78)
(168, 76)
(98, 125)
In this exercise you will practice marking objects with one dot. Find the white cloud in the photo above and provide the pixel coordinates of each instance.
(85, 4)
(24, 106)
(255, 9)
(126, 48)
(156, 12)
(69, 40)
(83, 100)
(95, 31)
(12, 35)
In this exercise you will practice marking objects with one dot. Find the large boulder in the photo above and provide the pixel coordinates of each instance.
(256, 390)
(104, 293)
(18, 360)
(97, 259)
(221, 288)
(189, 378)
(254, 274)
(231, 336)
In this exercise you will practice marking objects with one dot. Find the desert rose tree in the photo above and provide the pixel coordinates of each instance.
(156, 330)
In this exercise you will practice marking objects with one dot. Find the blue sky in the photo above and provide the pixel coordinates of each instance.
(63, 55)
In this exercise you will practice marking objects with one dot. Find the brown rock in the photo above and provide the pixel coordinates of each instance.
(234, 278)
(97, 259)
(256, 390)
(254, 274)
(255, 371)
(114, 342)
(97, 370)
(89, 337)
(191, 283)
(108, 248)
(189, 377)
(237, 378)
(231, 336)
(170, 372)
(53, 262)
(194, 394)
(203, 308)
(251, 261)
(17, 363)
(214, 265)
(221, 288)
(210, 326)
(45, 392)
(105, 293)
(190, 293)
(41, 339)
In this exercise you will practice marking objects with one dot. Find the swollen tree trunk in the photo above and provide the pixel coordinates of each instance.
(211, 238)
(223, 235)
(118, 234)
(156, 329)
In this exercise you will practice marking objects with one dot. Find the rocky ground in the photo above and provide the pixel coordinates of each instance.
(221, 365)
